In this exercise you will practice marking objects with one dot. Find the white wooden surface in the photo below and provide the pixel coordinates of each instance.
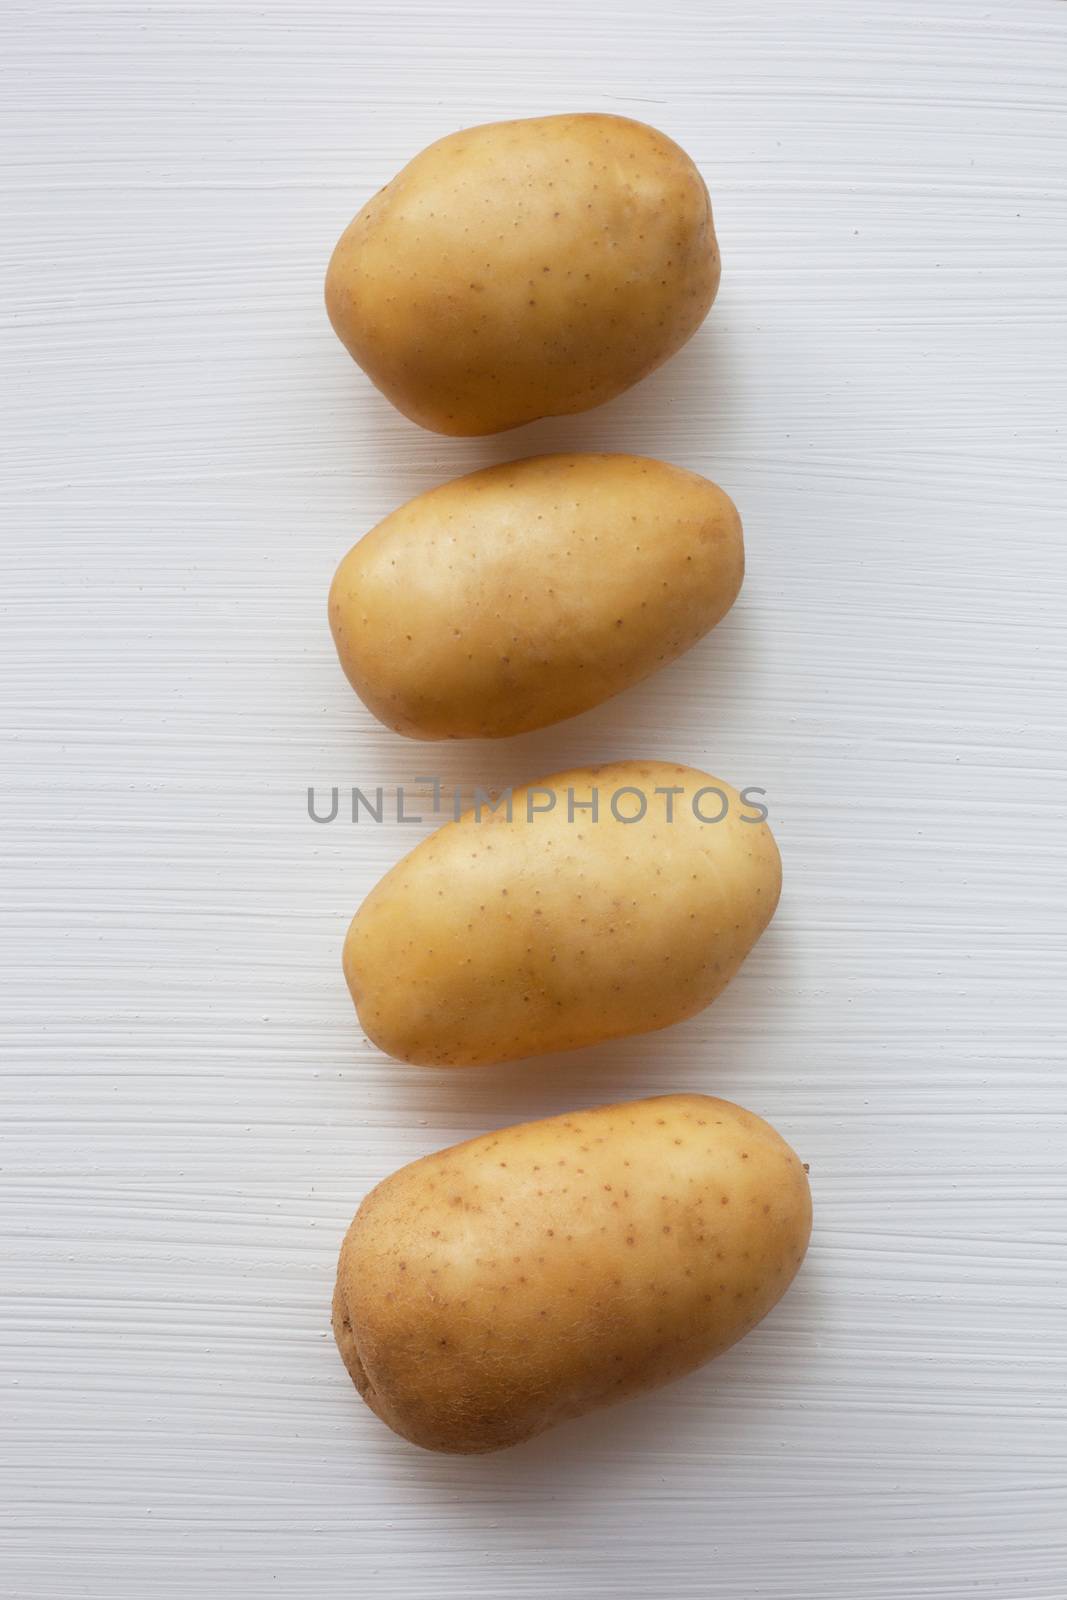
(190, 1113)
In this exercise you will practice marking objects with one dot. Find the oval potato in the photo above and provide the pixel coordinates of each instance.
(528, 592)
(489, 1291)
(498, 938)
(525, 269)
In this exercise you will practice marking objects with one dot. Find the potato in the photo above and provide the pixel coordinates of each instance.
(499, 937)
(525, 269)
(489, 1291)
(528, 592)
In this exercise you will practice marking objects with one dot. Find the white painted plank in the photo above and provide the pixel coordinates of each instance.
(190, 1113)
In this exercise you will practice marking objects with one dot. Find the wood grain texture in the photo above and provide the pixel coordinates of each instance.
(190, 1115)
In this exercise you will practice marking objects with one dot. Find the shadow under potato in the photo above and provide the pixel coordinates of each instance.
(686, 413)
(710, 1412)
(653, 719)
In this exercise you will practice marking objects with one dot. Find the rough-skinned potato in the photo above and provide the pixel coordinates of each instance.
(525, 269)
(498, 938)
(489, 1291)
(525, 593)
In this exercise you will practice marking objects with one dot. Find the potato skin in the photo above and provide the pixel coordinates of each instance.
(528, 592)
(525, 269)
(497, 939)
(494, 1289)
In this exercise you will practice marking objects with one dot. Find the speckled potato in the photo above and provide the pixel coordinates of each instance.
(528, 592)
(525, 269)
(496, 939)
(489, 1291)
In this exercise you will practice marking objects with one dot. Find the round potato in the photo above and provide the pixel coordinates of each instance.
(489, 1291)
(528, 592)
(599, 902)
(525, 269)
